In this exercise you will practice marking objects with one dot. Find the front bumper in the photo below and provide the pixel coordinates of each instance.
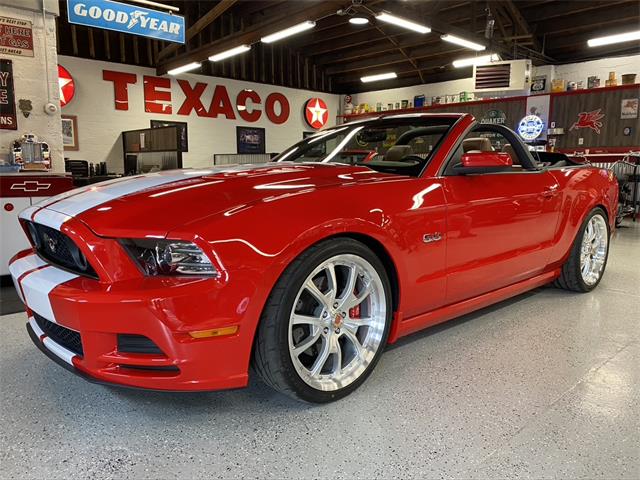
(162, 309)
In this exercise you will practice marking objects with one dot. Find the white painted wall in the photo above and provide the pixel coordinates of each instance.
(100, 124)
(572, 73)
(30, 82)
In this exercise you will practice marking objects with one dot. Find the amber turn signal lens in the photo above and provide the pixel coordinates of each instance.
(216, 332)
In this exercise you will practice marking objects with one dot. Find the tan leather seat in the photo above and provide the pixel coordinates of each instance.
(507, 148)
(397, 153)
(479, 144)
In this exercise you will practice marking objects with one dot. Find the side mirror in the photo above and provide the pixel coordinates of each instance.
(484, 162)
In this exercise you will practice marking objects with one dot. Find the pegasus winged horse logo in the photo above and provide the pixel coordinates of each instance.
(589, 120)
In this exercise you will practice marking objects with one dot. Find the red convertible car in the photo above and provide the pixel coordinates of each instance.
(305, 267)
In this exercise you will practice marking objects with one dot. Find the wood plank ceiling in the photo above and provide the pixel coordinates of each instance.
(335, 54)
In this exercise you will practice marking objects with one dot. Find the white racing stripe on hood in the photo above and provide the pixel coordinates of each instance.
(50, 218)
(28, 212)
(88, 198)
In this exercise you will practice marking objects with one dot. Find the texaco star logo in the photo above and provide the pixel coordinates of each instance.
(66, 84)
(316, 113)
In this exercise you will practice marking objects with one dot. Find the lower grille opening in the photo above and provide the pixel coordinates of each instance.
(137, 344)
(163, 368)
(69, 339)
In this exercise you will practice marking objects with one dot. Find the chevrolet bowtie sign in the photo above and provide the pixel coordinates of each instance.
(121, 17)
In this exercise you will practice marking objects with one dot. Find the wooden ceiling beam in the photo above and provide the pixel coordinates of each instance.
(426, 65)
(203, 22)
(253, 33)
(568, 9)
(402, 51)
(522, 24)
(405, 79)
(623, 14)
(381, 47)
(340, 37)
(442, 51)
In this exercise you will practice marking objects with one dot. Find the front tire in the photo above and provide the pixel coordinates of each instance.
(325, 323)
(587, 260)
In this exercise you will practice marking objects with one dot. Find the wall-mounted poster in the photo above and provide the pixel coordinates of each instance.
(8, 120)
(539, 106)
(629, 108)
(70, 132)
(16, 37)
(182, 128)
(250, 139)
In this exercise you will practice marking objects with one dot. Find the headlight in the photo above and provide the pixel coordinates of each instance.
(169, 257)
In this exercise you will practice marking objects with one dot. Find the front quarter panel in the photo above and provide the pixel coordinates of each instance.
(253, 244)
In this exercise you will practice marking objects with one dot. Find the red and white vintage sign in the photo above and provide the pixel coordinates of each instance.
(16, 37)
(316, 112)
(8, 120)
(159, 98)
(589, 120)
(66, 84)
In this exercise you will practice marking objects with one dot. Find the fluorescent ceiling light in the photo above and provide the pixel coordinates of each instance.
(359, 20)
(382, 76)
(401, 22)
(185, 68)
(462, 42)
(287, 32)
(609, 39)
(230, 53)
(481, 60)
(157, 5)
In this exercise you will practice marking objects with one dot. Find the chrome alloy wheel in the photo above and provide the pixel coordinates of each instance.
(337, 323)
(593, 253)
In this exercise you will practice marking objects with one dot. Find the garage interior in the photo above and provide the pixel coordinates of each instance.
(545, 384)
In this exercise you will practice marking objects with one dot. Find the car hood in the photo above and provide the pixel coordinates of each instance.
(156, 203)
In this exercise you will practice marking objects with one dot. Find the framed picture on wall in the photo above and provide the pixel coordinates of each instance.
(182, 128)
(70, 132)
(250, 139)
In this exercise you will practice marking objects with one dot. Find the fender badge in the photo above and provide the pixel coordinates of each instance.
(431, 237)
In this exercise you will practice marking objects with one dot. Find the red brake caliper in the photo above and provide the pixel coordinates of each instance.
(354, 312)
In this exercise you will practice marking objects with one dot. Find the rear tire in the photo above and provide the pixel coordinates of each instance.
(587, 260)
(325, 323)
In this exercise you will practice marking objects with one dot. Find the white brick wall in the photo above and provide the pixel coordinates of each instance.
(30, 82)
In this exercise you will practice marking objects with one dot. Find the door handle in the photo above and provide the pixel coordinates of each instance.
(549, 192)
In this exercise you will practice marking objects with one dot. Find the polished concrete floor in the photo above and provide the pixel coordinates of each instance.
(546, 385)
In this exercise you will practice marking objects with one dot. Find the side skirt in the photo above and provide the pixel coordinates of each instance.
(419, 322)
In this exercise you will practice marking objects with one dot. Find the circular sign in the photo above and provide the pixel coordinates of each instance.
(530, 127)
(66, 85)
(316, 112)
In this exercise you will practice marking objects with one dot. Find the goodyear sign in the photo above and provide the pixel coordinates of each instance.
(121, 17)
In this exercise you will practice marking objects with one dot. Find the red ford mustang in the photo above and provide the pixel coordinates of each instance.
(304, 268)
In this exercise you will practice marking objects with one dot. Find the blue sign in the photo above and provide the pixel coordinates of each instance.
(121, 17)
(530, 127)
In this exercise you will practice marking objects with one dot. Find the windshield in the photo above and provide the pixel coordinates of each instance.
(402, 146)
